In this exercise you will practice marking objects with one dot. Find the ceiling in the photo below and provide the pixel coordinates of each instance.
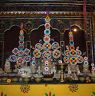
(64, 1)
(42, 5)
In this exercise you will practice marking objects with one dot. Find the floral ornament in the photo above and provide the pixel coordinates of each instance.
(49, 94)
(93, 94)
(25, 88)
(56, 54)
(55, 45)
(73, 87)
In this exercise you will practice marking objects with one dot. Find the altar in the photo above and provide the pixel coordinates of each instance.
(47, 48)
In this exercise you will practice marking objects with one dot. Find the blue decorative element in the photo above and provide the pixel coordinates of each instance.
(71, 43)
(13, 58)
(33, 62)
(47, 32)
(27, 58)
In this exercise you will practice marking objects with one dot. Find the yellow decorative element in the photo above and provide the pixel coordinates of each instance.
(8, 80)
(37, 53)
(70, 33)
(21, 31)
(47, 19)
(47, 46)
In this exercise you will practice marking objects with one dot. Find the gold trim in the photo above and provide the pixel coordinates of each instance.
(41, 13)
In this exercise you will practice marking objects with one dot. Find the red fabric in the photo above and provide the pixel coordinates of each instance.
(85, 14)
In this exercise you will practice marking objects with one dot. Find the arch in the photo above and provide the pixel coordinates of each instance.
(79, 37)
(11, 37)
(38, 33)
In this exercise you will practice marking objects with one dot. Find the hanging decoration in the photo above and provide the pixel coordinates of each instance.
(21, 54)
(47, 51)
(72, 55)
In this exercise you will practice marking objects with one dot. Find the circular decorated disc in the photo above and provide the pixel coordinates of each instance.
(20, 61)
(46, 38)
(73, 52)
(46, 68)
(47, 25)
(13, 58)
(66, 59)
(73, 60)
(80, 59)
(37, 53)
(46, 46)
(38, 46)
(55, 45)
(27, 58)
(46, 55)
(56, 54)
(47, 32)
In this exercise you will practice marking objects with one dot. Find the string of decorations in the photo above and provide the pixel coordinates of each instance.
(72, 55)
(47, 51)
(21, 54)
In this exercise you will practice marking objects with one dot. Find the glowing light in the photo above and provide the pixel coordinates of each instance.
(75, 29)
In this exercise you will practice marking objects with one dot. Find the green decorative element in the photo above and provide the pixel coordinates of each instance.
(46, 94)
(93, 93)
(49, 94)
(53, 95)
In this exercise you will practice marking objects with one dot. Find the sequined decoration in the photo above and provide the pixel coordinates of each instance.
(20, 54)
(73, 87)
(25, 88)
(72, 55)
